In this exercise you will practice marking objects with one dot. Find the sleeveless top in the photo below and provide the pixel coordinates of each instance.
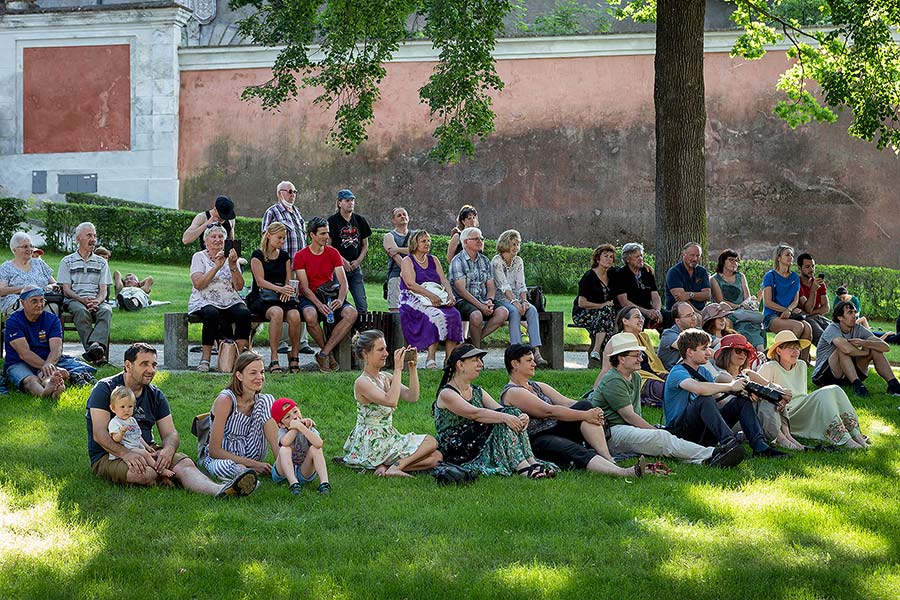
(732, 292)
(244, 434)
(423, 274)
(402, 241)
(535, 426)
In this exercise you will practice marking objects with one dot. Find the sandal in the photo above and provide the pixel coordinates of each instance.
(293, 364)
(535, 471)
(657, 468)
(275, 367)
(203, 367)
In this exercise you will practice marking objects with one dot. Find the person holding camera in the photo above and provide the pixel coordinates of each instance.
(826, 413)
(734, 358)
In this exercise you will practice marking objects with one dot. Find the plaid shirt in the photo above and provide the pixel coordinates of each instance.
(293, 221)
(476, 273)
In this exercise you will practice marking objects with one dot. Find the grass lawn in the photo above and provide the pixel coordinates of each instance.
(172, 283)
(812, 526)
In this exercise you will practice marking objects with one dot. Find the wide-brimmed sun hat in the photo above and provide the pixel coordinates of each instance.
(714, 310)
(735, 341)
(783, 337)
(624, 342)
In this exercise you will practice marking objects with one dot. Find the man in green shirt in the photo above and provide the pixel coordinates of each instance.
(619, 395)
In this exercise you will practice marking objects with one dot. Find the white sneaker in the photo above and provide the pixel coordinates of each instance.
(596, 356)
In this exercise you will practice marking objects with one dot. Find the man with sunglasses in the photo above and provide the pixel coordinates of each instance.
(285, 211)
(619, 395)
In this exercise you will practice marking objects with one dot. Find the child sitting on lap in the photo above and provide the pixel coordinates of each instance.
(300, 456)
(124, 428)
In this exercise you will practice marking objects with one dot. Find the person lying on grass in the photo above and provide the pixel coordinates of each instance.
(374, 443)
(124, 429)
(151, 408)
(560, 429)
(299, 457)
(474, 431)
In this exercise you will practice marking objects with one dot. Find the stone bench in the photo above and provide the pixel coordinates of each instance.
(175, 336)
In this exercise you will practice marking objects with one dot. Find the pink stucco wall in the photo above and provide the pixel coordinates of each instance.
(571, 160)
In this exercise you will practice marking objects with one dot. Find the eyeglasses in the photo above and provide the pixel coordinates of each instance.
(475, 239)
(740, 351)
(733, 259)
(26, 247)
(291, 192)
(636, 355)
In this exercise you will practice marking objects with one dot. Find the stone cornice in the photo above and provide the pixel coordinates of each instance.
(97, 17)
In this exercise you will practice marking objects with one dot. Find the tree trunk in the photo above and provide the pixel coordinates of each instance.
(679, 97)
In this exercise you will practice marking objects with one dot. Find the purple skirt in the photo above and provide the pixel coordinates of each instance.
(426, 325)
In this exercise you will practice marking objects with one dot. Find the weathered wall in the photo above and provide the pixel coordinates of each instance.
(571, 160)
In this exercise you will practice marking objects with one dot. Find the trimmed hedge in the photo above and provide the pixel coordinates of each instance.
(154, 235)
(98, 200)
(13, 212)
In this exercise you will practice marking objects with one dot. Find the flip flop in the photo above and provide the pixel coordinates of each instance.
(659, 469)
(203, 367)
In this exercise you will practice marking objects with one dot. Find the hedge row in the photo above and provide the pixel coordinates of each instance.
(98, 200)
(13, 212)
(154, 235)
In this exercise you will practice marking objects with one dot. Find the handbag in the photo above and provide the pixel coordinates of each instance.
(445, 473)
(436, 289)
(328, 291)
(267, 295)
(536, 297)
(228, 352)
(200, 427)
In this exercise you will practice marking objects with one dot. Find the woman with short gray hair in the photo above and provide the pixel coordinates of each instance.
(21, 271)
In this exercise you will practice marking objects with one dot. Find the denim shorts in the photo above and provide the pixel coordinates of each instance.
(19, 372)
(278, 477)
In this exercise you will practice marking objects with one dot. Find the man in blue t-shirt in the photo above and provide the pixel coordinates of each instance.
(689, 406)
(688, 281)
(113, 461)
(34, 360)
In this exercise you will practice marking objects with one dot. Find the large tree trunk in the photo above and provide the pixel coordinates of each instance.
(679, 96)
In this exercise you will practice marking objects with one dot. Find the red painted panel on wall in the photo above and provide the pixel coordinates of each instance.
(77, 99)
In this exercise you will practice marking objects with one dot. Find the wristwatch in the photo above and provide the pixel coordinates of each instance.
(692, 295)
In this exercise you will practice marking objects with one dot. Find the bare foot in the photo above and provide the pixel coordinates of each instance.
(381, 470)
(168, 473)
(394, 471)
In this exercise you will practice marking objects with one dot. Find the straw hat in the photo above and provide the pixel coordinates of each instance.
(783, 337)
(624, 342)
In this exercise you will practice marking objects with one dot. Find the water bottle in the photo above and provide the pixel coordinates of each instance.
(329, 318)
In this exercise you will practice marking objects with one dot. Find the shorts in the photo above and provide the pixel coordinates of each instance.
(278, 477)
(19, 372)
(259, 307)
(117, 470)
(465, 309)
(393, 292)
(826, 377)
(767, 320)
(305, 302)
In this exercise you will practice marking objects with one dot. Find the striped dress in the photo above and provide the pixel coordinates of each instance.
(243, 436)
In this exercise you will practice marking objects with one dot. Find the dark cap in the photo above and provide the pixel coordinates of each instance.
(462, 352)
(225, 208)
(345, 195)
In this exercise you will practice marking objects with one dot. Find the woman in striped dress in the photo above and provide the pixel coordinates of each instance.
(242, 423)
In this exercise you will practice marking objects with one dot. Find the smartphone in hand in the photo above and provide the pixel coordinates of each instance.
(236, 244)
(410, 355)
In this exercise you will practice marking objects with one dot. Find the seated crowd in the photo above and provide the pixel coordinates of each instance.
(717, 384)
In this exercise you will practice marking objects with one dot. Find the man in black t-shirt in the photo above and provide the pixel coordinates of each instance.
(350, 236)
(634, 285)
(113, 461)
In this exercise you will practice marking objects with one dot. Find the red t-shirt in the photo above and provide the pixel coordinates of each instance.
(319, 268)
(820, 293)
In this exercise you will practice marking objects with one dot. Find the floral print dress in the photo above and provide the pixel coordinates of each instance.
(374, 441)
(487, 448)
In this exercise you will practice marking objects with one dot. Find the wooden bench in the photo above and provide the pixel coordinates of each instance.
(175, 336)
(553, 339)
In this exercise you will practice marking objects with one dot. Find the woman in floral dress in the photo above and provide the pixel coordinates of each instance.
(474, 431)
(374, 443)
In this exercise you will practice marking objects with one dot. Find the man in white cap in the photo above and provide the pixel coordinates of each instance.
(619, 395)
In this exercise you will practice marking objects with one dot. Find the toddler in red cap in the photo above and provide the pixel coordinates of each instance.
(300, 457)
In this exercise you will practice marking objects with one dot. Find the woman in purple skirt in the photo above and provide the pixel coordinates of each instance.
(427, 311)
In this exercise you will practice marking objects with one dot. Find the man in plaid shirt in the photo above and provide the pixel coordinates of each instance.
(473, 285)
(285, 211)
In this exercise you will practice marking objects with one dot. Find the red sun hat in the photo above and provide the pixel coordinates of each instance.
(735, 340)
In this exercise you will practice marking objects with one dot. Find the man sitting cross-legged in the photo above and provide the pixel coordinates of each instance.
(692, 412)
(845, 351)
(314, 266)
(619, 395)
(150, 408)
(34, 359)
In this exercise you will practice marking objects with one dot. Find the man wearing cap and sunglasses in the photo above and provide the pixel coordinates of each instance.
(34, 362)
(619, 395)
(221, 214)
(350, 234)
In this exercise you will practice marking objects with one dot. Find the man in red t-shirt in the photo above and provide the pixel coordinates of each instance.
(813, 301)
(314, 266)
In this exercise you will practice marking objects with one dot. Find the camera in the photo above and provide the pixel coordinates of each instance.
(766, 393)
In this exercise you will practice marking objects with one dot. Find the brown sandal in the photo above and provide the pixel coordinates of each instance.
(275, 367)
(293, 364)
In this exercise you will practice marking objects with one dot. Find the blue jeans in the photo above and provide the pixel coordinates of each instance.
(357, 289)
(515, 320)
(704, 423)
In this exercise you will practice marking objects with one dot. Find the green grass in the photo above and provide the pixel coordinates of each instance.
(810, 527)
(172, 283)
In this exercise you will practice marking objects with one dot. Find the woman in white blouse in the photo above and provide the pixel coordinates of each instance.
(509, 278)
